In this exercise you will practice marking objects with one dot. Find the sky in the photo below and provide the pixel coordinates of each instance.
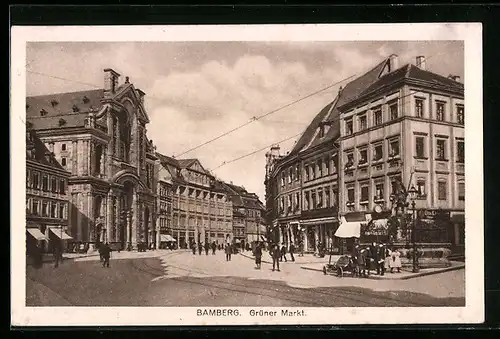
(196, 91)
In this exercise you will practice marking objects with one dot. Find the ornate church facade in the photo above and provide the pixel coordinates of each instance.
(99, 137)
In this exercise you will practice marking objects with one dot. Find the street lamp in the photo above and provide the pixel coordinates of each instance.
(412, 193)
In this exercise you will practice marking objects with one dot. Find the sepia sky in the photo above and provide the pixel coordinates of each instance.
(196, 91)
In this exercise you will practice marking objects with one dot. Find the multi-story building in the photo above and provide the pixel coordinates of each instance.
(248, 214)
(392, 125)
(46, 196)
(99, 136)
(406, 128)
(201, 208)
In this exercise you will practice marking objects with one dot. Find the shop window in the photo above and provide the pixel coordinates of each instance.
(442, 190)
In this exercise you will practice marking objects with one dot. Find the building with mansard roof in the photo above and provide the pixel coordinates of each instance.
(194, 205)
(99, 137)
(47, 207)
(392, 124)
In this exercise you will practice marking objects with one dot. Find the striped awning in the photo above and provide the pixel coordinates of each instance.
(58, 232)
(36, 233)
(166, 238)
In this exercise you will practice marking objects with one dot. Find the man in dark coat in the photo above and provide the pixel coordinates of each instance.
(368, 260)
(283, 252)
(57, 253)
(228, 252)
(381, 259)
(207, 247)
(292, 250)
(214, 247)
(193, 247)
(200, 248)
(106, 254)
(275, 254)
(258, 255)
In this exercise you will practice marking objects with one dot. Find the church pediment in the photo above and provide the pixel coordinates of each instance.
(128, 96)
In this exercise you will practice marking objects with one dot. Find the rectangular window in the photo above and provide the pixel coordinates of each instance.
(460, 114)
(363, 156)
(45, 183)
(440, 111)
(362, 122)
(63, 162)
(306, 172)
(320, 200)
(306, 200)
(442, 190)
(395, 185)
(350, 160)
(379, 191)
(421, 188)
(419, 108)
(35, 207)
(28, 178)
(63, 147)
(53, 184)
(419, 147)
(377, 117)
(377, 152)
(440, 149)
(45, 209)
(364, 193)
(320, 168)
(348, 127)
(327, 197)
(297, 175)
(393, 110)
(350, 195)
(53, 210)
(394, 148)
(460, 151)
(36, 180)
(461, 191)
(328, 166)
(313, 200)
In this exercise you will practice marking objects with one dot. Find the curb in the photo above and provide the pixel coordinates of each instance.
(416, 275)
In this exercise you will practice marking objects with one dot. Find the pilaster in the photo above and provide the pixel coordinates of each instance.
(135, 219)
(109, 216)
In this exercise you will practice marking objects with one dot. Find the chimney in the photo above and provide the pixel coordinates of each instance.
(393, 62)
(454, 77)
(420, 62)
(110, 81)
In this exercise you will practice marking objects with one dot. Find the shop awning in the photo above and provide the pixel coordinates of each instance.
(348, 229)
(60, 234)
(35, 233)
(318, 221)
(166, 238)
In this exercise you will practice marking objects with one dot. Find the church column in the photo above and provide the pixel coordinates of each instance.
(109, 216)
(135, 219)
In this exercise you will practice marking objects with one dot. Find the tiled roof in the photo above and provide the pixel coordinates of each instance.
(183, 163)
(62, 103)
(167, 160)
(330, 114)
(420, 74)
(57, 121)
(38, 152)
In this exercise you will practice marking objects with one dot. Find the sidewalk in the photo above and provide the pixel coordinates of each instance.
(404, 275)
(308, 258)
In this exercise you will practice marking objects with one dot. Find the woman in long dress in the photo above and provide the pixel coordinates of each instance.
(396, 261)
(387, 259)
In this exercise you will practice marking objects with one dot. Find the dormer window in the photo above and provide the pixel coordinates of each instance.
(76, 108)
(85, 100)
(43, 112)
(54, 103)
(62, 122)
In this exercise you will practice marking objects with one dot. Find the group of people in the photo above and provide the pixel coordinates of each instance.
(213, 247)
(277, 254)
(378, 256)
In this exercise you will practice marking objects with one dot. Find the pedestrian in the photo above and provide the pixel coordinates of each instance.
(368, 260)
(228, 252)
(57, 253)
(387, 260)
(292, 250)
(381, 255)
(361, 261)
(283, 252)
(275, 254)
(396, 261)
(301, 248)
(106, 254)
(258, 255)
(214, 247)
(207, 247)
(200, 248)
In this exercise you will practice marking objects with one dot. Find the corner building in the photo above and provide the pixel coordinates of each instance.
(99, 136)
(406, 128)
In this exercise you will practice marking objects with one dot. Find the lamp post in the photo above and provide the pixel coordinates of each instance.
(412, 193)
